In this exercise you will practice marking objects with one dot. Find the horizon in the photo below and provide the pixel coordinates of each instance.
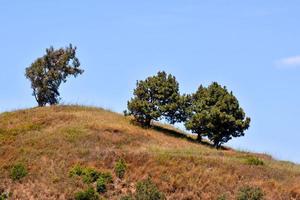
(252, 48)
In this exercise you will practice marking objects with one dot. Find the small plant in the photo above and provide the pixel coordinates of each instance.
(250, 193)
(147, 190)
(77, 170)
(90, 175)
(107, 176)
(88, 194)
(18, 172)
(101, 185)
(254, 161)
(120, 168)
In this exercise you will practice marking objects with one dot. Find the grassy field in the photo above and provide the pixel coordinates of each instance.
(50, 141)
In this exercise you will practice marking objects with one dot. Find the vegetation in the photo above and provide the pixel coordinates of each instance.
(18, 172)
(48, 72)
(216, 113)
(156, 97)
(88, 194)
(101, 185)
(120, 168)
(178, 165)
(3, 195)
(147, 190)
(90, 175)
(250, 193)
(254, 161)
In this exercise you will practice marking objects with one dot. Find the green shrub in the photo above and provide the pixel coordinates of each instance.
(77, 170)
(147, 190)
(120, 168)
(18, 172)
(254, 161)
(88, 194)
(107, 176)
(90, 175)
(250, 193)
(101, 185)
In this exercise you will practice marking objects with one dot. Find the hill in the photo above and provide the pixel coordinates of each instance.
(51, 140)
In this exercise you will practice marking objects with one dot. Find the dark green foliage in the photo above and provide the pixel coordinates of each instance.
(18, 172)
(88, 194)
(250, 193)
(215, 113)
(254, 161)
(101, 185)
(90, 175)
(147, 190)
(120, 168)
(156, 97)
(48, 72)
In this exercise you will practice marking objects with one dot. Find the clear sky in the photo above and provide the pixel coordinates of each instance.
(251, 46)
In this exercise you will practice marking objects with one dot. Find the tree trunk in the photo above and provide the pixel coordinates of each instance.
(199, 138)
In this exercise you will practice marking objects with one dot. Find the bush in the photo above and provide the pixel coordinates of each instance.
(250, 193)
(101, 185)
(107, 176)
(120, 168)
(254, 161)
(88, 194)
(18, 172)
(77, 170)
(147, 190)
(90, 175)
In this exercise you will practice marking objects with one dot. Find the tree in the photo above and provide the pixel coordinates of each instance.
(156, 97)
(48, 72)
(216, 113)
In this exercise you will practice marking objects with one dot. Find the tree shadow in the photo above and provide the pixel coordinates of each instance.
(171, 131)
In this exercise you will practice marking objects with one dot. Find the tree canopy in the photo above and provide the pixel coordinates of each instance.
(216, 113)
(156, 97)
(49, 71)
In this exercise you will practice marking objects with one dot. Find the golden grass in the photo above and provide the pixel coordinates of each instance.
(50, 140)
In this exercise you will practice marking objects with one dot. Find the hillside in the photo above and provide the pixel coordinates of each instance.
(51, 140)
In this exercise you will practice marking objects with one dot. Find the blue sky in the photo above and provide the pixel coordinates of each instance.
(252, 47)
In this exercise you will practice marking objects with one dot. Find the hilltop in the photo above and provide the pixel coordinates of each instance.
(51, 140)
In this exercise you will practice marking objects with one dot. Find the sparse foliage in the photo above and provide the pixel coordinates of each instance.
(147, 190)
(120, 168)
(156, 97)
(48, 72)
(216, 113)
(18, 172)
(101, 185)
(254, 161)
(250, 193)
(88, 194)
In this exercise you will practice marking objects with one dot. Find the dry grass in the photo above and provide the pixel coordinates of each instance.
(49, 141)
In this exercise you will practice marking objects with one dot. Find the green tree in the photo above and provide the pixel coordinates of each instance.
(48, 72)
(216, 113)
(156, 97)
